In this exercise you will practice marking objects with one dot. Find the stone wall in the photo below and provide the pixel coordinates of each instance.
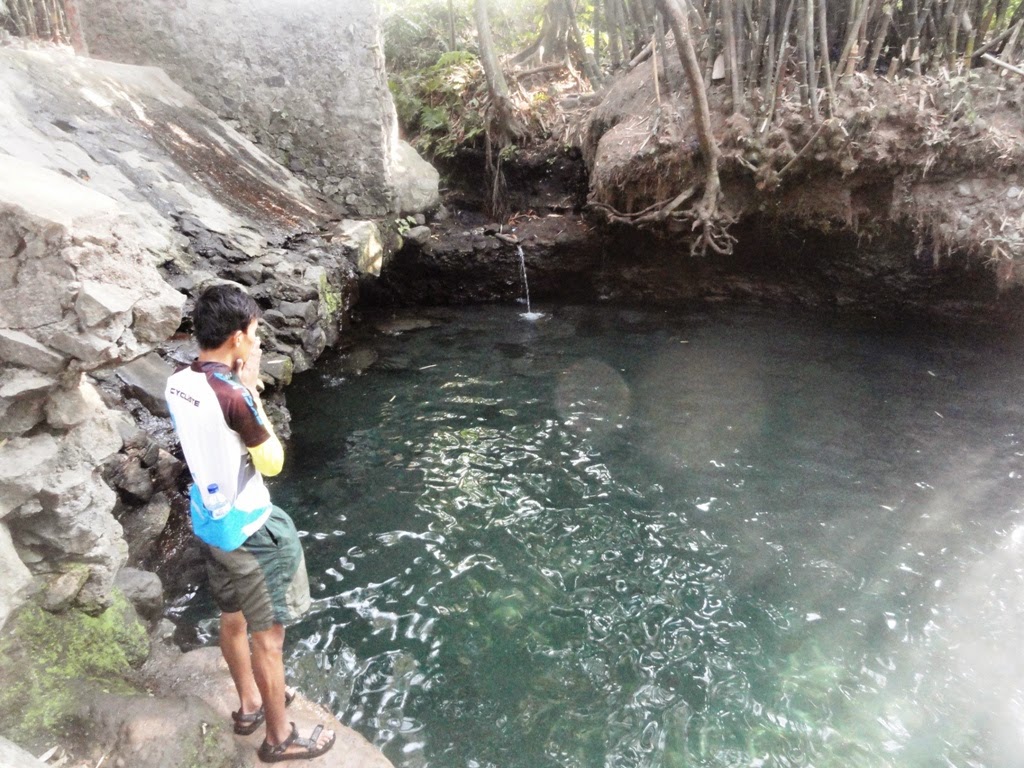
(304, 79)
(120, 197)
(77, 292)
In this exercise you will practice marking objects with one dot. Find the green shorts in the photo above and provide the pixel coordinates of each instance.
(265, 578)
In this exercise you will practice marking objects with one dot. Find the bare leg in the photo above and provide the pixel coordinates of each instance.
(234, 646)
(268, 667)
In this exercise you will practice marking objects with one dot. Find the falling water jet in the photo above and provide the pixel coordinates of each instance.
(529, 314)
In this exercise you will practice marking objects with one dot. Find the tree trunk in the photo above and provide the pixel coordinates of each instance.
(586, 60)
(451, 25)
(680, 23)
(615, 41)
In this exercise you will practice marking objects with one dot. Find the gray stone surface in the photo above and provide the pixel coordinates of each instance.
(21, 349)
(76, 522)
(145, 732)
(305, 79)
(108, 172)
(133, 480)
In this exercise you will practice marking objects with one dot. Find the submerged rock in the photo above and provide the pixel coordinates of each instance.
(396, 326)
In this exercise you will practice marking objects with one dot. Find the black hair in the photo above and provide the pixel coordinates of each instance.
(220, 311)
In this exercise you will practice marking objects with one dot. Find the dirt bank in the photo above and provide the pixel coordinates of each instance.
(907, 199)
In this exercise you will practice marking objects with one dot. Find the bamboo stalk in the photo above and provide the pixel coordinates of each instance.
(770, 43)
(659, 42)
(826, 63)
(710, 38)
(773, 91)
(990, 58)
(801, 52)
(765, 22)
(883, 31)
(730, 55)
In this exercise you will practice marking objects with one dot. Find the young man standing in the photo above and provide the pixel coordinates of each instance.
(252, 551)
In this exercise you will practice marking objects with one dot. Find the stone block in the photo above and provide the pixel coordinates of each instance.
(19, 416)
(93, 441)
(418, 235)
(21, 349)
(156, 318)
(279, 368)
(146, 379)
(98, 302)
(17, 382)
(67, 408)
(24, 463)
(91, 351)
(167, 471)
(133, 481)
(64, 588)
(78, 526)
(305, 311)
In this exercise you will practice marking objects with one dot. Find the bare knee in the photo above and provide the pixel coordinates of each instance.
(233, 624)
(269, 641)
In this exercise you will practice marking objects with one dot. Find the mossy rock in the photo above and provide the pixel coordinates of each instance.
(49, 661)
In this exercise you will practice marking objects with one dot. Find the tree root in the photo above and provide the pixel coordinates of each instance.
(705, 218)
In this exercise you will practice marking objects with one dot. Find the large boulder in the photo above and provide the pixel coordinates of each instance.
(305, 79)
(415, 180)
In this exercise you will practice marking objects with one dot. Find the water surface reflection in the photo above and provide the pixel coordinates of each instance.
(621, 538)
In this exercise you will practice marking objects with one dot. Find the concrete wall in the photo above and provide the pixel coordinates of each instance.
(305, 79)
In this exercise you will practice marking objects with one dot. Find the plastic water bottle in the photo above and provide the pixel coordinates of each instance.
(216, 502)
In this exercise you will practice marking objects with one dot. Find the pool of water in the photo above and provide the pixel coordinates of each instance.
(615, 537)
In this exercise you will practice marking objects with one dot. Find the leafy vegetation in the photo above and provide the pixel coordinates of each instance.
(440, 105)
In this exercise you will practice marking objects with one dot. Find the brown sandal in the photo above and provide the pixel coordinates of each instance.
(248, 722)
(277, 753)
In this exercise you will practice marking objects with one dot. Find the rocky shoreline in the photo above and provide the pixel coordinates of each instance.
(120, 198)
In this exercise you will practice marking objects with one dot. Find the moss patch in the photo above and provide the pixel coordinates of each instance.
(48, 660)
(330, 297)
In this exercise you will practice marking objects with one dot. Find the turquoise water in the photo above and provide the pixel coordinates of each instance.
(625, 538)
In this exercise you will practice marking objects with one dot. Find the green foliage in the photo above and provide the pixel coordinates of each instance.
(440, 107)
(404, 224)
(47, 659)
(416, 32)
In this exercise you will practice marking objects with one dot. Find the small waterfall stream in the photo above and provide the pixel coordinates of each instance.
(529, 314)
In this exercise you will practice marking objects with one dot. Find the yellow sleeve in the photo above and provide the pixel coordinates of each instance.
(268, 456)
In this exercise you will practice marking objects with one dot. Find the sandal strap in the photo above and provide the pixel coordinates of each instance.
(280, 749)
